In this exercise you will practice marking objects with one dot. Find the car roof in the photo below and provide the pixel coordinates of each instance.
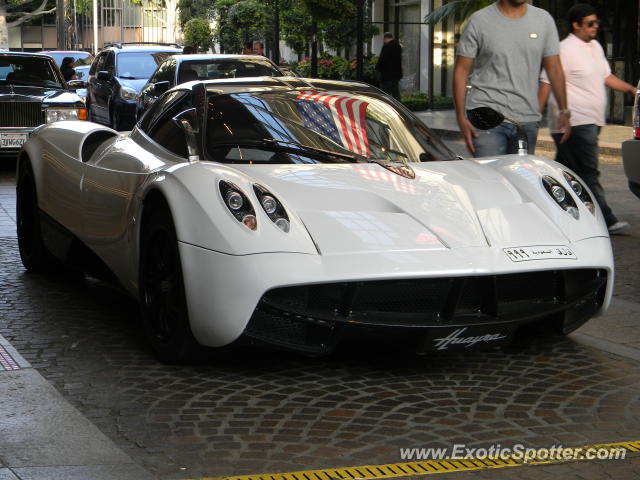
(25, 54)
(123, 47)
(219, 56)
(47, 52)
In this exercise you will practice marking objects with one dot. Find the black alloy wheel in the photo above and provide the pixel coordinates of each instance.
(33, 252)
(164, 307)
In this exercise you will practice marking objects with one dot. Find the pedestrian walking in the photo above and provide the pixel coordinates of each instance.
(587, 74)
(389, 65)
(506, 44)
(67, 70)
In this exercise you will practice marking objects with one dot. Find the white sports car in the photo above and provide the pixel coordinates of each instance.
(296, 213)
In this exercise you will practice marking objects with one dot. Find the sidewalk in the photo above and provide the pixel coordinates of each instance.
(611, 136)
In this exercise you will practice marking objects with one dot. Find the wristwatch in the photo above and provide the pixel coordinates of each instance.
(566, 112)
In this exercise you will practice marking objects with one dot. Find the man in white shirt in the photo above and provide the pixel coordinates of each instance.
(587, 73)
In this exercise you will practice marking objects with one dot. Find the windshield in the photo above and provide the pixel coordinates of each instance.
(28, 71)
(225, 68)
(79, 58)
(139, 65)
(358, 126)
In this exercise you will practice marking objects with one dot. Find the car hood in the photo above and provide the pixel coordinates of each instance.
(20, 93)
(456, 204)
(135, 84)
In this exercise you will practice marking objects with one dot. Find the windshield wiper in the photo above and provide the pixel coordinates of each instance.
(292, 147)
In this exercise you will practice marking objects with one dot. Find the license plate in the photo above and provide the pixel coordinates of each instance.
(12, 140)
(476, 337)
(545, 252)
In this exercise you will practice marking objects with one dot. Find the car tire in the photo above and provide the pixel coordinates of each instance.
(33, 253)
(165, 318)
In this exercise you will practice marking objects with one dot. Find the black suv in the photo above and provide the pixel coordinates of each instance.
(116, 76)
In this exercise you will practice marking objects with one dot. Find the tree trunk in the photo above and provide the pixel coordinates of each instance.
(4, 31)
(314, 49)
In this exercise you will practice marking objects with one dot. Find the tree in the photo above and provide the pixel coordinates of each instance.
(188, 9)
(19, 11)
(249, 16)
(197, 32)
(462, 8)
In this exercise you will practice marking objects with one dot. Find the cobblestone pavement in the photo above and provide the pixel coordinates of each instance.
(253, 411)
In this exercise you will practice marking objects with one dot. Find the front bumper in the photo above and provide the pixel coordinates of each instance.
(256, 295)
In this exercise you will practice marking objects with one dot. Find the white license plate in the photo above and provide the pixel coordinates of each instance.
(526, 254)
(12, 140)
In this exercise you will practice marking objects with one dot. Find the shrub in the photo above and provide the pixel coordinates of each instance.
(417, 101)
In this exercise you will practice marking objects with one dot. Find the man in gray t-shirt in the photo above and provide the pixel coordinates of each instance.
(507, 43)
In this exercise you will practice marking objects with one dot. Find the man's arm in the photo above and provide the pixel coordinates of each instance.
(556, 76)
(461, 71)
(620, 85)
(544, 90)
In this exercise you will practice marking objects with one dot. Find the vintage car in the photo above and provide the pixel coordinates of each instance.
(179, 69)
(298, 213)
(631, 151)
(32, 93)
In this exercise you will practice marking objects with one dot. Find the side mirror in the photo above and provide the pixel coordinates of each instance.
(485, 118)
(104, 76)
(160, 87)
(187, 121)
(75, 84)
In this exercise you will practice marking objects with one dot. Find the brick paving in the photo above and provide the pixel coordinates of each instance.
(249, 411)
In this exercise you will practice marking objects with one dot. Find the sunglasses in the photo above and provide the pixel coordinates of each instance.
(591, 23)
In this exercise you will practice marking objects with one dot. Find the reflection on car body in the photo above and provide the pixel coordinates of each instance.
(300, 212)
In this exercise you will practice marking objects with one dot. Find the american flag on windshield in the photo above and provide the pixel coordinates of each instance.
(338, 117)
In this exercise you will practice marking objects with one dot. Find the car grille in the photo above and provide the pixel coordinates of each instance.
(21, 114)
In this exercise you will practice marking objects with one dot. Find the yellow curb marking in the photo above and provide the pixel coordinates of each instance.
(428, 467)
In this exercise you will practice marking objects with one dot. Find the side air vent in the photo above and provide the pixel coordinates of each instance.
(93, 141)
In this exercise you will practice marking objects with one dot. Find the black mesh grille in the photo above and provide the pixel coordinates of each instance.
(21, 114)
(438, 301)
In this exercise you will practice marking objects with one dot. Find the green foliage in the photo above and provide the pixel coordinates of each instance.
(225, 33)
(188, 9)
(416, 101)
(339, 68)
(328, 9)
(250, 16)
(460, 8)
(197, 33)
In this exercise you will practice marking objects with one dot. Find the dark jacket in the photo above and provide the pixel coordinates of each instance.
(390, 62)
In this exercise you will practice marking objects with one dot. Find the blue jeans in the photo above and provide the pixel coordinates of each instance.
(503, 139)
(580, 154)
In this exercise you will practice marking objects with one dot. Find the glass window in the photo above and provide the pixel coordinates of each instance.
(32, 71)
(356, 126)
(159, 125)
(225, 68)
(98, 64)
(139, 65)
(165, 73)
(79, 58)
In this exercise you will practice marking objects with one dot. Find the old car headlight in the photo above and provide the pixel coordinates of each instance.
(59, 114)
(238, 204)
(560, 196)
(272, 207)
(128, 93)
(581, 191)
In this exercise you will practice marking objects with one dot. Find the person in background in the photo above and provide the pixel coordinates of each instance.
(189, 50)
(587, 73)
(503, 47)
(67, 69)
(389, 65)
(247, 48)
(258, 48)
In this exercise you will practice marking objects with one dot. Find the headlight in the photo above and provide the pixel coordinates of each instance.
(581, 191)
(128, 93)
(238, 204)
(560, 196)
(272, 207)
(59, 114)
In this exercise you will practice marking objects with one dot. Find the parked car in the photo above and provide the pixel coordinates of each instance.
(299, 212)
(32, 92)
(186, 68)
(116, 76)
(631, 151)
(81, 61)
